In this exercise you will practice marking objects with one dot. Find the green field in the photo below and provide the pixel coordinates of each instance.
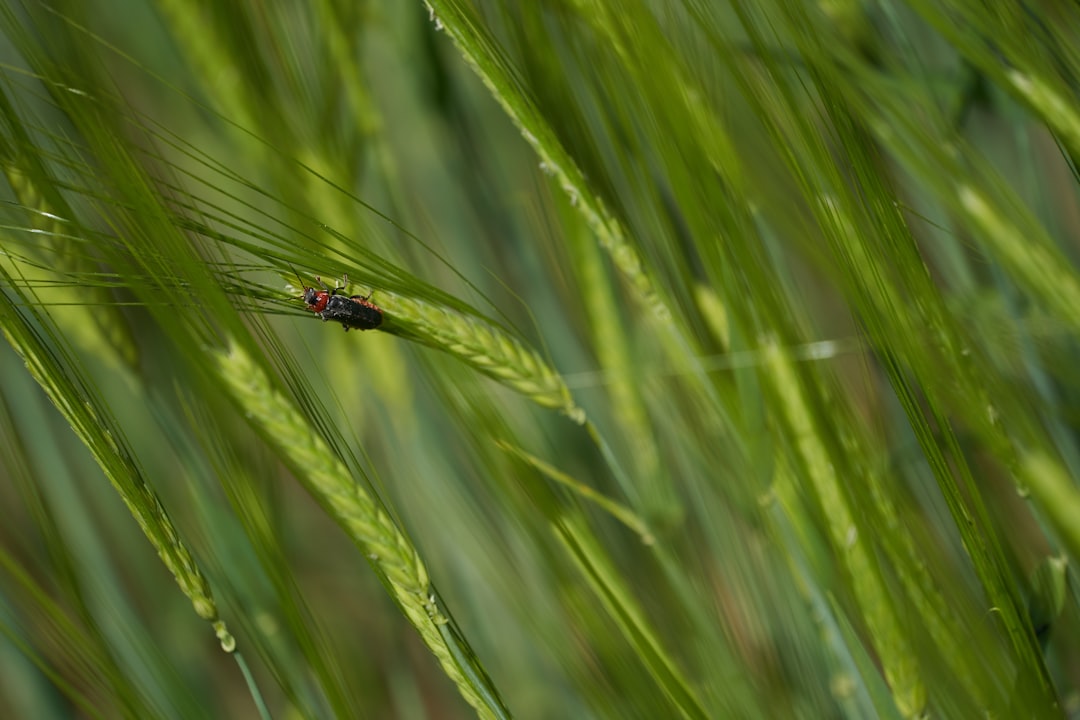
(728, 365)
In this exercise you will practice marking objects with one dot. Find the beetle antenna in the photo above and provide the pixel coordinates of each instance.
(303, 287)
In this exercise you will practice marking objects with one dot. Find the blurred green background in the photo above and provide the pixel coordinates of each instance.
(727, 366)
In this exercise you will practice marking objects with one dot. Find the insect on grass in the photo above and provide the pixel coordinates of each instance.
(355, 312)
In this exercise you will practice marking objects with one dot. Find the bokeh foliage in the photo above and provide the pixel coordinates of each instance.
(727, 366)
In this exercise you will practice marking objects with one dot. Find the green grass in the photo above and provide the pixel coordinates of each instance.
(727, 363)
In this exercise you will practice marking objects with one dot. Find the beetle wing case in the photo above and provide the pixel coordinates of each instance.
(357, 312)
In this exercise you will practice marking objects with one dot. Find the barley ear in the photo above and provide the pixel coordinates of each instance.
(484, 346)
(72, 396)
(388, 550)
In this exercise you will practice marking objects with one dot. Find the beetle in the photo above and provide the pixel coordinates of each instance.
(354, 311)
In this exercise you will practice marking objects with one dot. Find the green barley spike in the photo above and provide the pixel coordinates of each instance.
(485, 346)
(481, 344)
(361, 515)
(485, 58)
(77, 404)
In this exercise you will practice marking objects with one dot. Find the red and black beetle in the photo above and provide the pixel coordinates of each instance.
(354, 311)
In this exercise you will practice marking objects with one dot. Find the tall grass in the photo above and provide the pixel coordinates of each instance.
(726, 366)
